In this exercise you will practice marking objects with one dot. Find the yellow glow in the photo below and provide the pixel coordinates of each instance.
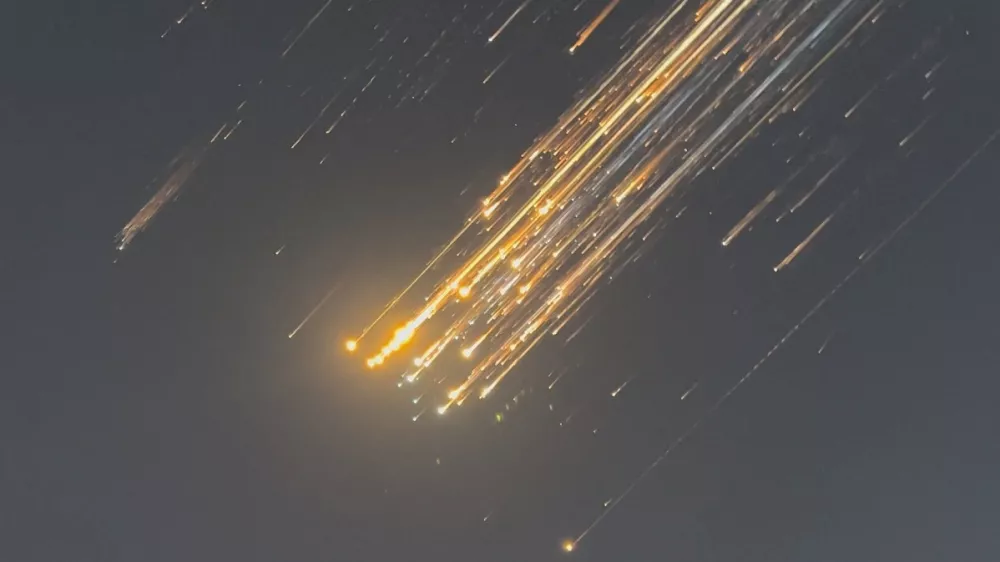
(464, 292)
(454, 393)
(467, 352)
(351, 345)
(568, 545)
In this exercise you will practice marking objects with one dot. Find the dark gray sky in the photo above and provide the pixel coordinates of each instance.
(153, 408)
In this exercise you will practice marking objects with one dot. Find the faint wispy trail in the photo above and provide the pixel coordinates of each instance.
(180, 170)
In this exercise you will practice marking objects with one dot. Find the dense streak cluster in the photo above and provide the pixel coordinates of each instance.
(583, 198)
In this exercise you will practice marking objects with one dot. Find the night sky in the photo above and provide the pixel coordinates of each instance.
(207, 200)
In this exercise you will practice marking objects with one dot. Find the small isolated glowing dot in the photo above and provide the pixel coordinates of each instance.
(464, 292)
(441, 410)
(351, 345)
(568, 545)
